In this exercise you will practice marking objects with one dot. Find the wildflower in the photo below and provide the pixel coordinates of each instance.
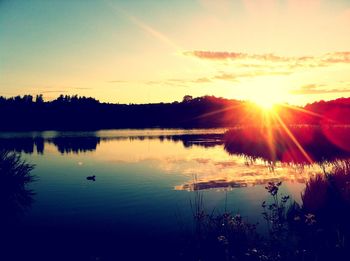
(285, 199)
(310, 219)
(223, 240)
(272, 206)
(251, 252)
(226, 215)
(237, 218)
(199, 215)
(272, 188)
(297, 218)
(263, 257)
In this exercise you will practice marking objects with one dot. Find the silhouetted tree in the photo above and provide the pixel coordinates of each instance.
(187, 98)
(39, 99)
(86, 113)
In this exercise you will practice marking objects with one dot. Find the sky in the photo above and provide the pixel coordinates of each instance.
(295, 51)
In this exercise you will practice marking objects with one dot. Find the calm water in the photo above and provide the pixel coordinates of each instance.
(143, 185)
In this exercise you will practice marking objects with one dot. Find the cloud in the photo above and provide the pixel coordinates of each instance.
(227, 77)
(180, 82)
(318, 89)
(215, 55)
(236, 76)
(209, 55)
(337, 57)
(195, 80)
(269, 58)
(221, 76)
(52, 91)
(201, 80)
(236, 66)
(82, 88)
(116, 81)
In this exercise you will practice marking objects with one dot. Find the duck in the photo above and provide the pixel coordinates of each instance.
(93, 178)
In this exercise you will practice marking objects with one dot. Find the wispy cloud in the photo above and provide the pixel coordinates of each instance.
(318, 89)
(81, 88)
(117, 81)
(290, 61)
(212, 55)
(227, 76)
(195, 80)
(219, 76)
(185, 82)
(52, 91)
(202, 80)
(236, 76)
(238, 66)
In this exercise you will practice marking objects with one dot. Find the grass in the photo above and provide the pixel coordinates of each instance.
(15, 175)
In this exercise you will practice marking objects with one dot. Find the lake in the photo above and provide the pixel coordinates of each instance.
(140, 201)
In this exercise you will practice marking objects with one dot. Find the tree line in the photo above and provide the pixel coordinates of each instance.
(86, 113)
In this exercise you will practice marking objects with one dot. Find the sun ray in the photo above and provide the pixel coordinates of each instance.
(306, 111)
(268, 125)
(145, 27)
(295, 141)
(204, 115)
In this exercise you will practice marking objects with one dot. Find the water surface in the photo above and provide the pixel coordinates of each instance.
(144, 184)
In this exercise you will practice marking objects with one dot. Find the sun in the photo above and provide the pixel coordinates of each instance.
(267, 92)
(265, 104)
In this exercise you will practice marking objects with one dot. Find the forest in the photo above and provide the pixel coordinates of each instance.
(86, 113)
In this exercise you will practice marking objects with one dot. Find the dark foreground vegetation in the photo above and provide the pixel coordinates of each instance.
(82, 113)
(15, 175)
(316, 229)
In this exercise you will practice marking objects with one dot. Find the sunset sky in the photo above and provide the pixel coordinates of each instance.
(151, 50)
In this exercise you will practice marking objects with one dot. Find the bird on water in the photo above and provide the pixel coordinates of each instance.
(93, 178)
